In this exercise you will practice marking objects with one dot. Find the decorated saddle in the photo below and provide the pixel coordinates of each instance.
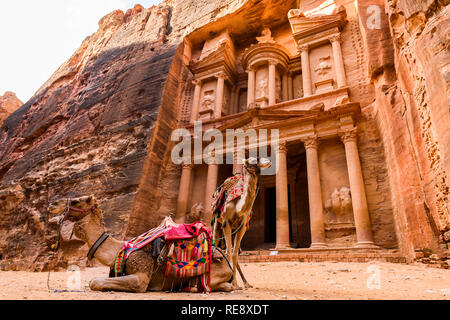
(189, 254)
(231, 189)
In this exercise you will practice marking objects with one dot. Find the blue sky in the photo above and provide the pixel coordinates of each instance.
(38, 36)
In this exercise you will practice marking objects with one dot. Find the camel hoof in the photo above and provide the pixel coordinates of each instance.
(248, 286)
(237, 288)
(194, 290)
(95, 285)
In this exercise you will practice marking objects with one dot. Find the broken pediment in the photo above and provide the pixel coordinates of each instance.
(217, 56)
(303, 25)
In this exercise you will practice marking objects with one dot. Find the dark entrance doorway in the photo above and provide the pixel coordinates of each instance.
(270, 234)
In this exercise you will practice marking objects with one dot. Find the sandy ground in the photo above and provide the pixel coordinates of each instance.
(271, 281)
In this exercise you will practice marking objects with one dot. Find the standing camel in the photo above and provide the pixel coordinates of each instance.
(139, 269)
(232, 223)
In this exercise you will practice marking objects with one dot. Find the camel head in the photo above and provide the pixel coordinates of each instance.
(254, 165)
(83, 211)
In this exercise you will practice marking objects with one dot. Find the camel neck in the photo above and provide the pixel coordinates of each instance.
(250, 186)
(91, 231)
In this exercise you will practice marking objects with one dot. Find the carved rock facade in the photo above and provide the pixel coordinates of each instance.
(361, 104)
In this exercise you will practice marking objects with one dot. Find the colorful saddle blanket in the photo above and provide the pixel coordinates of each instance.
(231, 189)
(191, 258)
(191, 254)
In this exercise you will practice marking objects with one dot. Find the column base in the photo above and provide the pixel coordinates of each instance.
(366, 245)
(318, 245)
(283, 246)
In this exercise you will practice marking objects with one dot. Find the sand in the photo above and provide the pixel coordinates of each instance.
(271, 281)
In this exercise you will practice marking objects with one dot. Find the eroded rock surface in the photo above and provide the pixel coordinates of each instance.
(9, 103)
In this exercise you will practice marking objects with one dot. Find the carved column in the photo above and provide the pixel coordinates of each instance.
(285, 87)
(283, 240)
(315, 194)
(211, 185)
(219, 94)
(237, 165)
(360, 211)
(290, 87)
(338, 60)
(183, 195)
(251, 86)
(272, 83)
(306, 71)
(196, 102)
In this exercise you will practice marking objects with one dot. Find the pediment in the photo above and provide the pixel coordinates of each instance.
(261, 118)
(222, 58)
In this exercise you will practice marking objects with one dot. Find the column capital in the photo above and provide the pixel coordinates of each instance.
(272, 62)
(349, 135)
(303, 47)
(282, 147)
(311, 142)
(220, 74)
(335, 38)
(197, 82)
(250, 69)
(187, 166)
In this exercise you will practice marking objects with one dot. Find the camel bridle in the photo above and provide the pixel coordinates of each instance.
(69, 208)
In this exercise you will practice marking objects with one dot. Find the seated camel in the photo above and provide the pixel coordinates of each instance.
(231, 223)
(140, 275)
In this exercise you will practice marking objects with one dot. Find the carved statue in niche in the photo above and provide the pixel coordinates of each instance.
(339, 206)
(208, 101)
(261, 91)
(324, 66)
(266, 36)
(298, 86)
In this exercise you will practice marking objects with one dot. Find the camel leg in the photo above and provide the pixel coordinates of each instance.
(237, 244)
(228, 241)
(137, 283)
(246, 284)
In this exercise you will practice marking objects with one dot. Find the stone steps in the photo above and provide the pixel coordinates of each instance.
(322, 255)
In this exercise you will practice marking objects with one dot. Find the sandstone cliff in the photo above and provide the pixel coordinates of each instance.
(408, 63)
(9, 103)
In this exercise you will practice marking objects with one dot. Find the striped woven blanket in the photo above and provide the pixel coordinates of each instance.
(191, 258)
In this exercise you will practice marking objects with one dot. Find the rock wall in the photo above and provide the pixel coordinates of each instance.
(408, 65)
